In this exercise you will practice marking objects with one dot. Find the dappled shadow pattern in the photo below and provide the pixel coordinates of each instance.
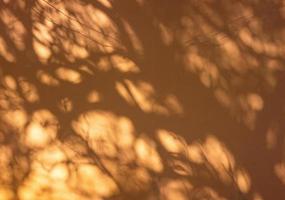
(137, 99)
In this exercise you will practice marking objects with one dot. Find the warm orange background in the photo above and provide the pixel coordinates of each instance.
(142, 99)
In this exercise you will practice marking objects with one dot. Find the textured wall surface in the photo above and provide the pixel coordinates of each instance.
(142, 99)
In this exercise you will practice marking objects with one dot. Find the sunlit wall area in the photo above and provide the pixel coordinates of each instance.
(138, 99)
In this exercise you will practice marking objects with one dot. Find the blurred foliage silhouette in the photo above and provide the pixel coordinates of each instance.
(142, 99)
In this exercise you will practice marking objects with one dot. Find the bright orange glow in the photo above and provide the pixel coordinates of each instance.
(195, 154)
(6, 194)
(124, 64)
(175, 189)
(243, 181)
(123, 92)
(4, 52)
(255, 102)
(105, 132)
(10, 82)
(173, 104)
(29, 91)
(170, 141)
(42, 51)
(142, 95)
(147, 154)
(41, 130)
(280, 171)
(142, 100)
(68, 75)
(102, 185)
(17, 118)
(219, 157)
(47, 79)
(93, 97)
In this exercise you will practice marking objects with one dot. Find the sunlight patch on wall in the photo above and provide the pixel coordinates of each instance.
(211, 153)
(255, 101)
(147, 154)
(105, 33)
(223, 97)
(41, 186)
(175, 189)
(6, 193)
(59, 172)
(259, 45)
(233, 57)
(279, 170)
(208, 71)
(37, 136)
(93, 180)
(166, 34)
(47, 79)
(218, 156)
(4, 52)
(99, 16)
(273, 65)
(126, 128)
(43, 40)
(112, 138)
(120, 63)
(48, 177)
(271, 136)
(42, 32)
(205, 193)
(6, 156)
(124, 93)
(16, 118)
(171, 141)
(104, 64)
(257, 197)
(142, 94)
(244, 106)
(134, 39)
(68, 75)
(10, 99)
(29, 90)
(105, 132)
(79, 52)
(42, 51)
(251, 103)
(243, 181)
(41, 130)
(94, 97)
(181, 168)
(50, 157)
(195, 153)
(124, 65)
(74, 51)
(133, 179)
(106, 3)
(10, 82)
(173, 104)
(215, 155)
(17, 30)
(86, 69)
(65, 105)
